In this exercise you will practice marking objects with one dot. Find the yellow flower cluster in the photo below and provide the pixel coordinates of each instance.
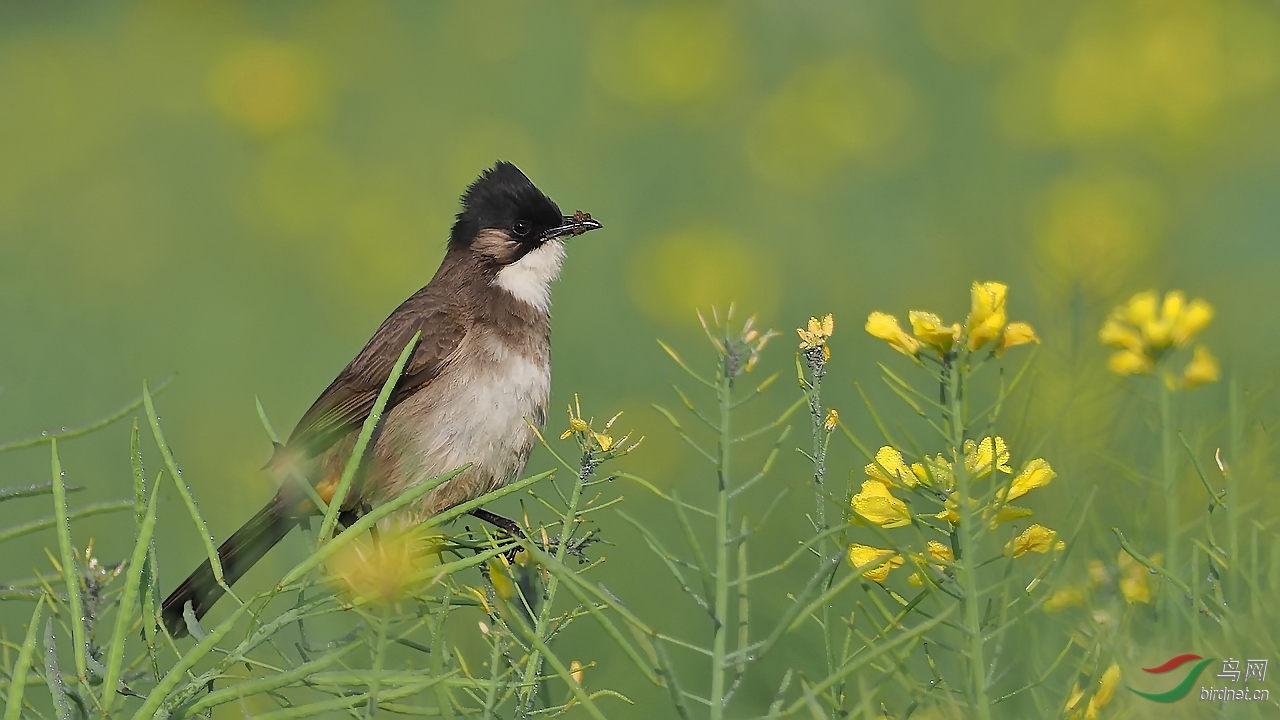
(1146, 328)
(987, 322)
(589, 437)
(877, 504)
(1102, 696)
(1133, 582)
(816, 335)
(754, 341)
(937, 551)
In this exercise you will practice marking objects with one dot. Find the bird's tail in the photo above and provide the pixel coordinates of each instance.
(239, 553)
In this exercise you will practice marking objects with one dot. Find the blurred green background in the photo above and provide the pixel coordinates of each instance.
(239, 193)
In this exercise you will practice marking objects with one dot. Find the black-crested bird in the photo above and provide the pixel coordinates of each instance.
(479, 375)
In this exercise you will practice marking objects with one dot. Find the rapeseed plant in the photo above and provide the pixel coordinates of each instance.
(929, 589)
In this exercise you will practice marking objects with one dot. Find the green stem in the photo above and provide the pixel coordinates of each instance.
(1235, 451)
(375, 682)
(817, 368)
(719, 643)
(966, 558)
(533, 666)
(1168, 481)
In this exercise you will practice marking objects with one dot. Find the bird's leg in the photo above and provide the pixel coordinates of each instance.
(349, 517)
(511, 527)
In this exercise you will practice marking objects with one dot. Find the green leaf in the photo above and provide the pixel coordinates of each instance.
(70, 569)
(18, 681)
(124, 609)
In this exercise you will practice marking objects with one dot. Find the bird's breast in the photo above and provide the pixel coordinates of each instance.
(476, 411)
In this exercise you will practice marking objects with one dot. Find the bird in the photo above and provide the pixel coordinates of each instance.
(480, 374)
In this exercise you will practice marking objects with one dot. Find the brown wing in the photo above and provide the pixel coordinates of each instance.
(346, 403)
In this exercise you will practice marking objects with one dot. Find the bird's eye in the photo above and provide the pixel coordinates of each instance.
(520, 228)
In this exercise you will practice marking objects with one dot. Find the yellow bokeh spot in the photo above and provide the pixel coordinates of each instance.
(699, 267)
(664, 54)
(1095, 230)
(266, 86)
(1165, 73)
(823, 117)
(385, 569)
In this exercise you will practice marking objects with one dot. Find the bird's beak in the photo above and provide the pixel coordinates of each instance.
(571, 225)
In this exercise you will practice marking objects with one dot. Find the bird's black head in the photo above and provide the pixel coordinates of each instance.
(511, 216)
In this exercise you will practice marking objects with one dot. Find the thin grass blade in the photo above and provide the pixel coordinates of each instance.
(362, 441)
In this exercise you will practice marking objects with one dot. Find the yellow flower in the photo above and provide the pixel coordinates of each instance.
(863, 555)
(1117, 334)
(1135, 589)
(1008, 513)
(1195, 318)
(604, 441)
(1106, 691)
(817, 333)
(833, 419)
(930, 330)
(1065, 598)
(877, 505)
(1076, 695)
(1202, 369)
(941, 551)
(1128, 362)
(1098, 573)
(977, 457)
(502, 584)
(1016, 334)
(1036, 474)
(1141, 309)
(986, 313)
(885, 327)
(1036, 538)
(1134, 580)
(950, 512)
(576, 425)
(1177, 321)
(934, 471)
(890, 469)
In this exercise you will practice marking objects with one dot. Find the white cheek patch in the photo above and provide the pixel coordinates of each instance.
(529, 279)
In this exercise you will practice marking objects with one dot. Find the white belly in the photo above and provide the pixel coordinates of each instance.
(477, 411)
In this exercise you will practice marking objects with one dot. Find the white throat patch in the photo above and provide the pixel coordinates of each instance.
(529, 279)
